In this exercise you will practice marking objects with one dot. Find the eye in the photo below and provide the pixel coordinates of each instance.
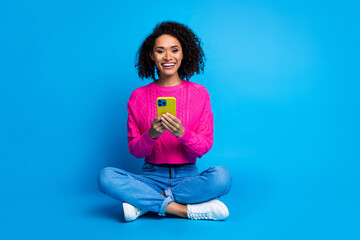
(175, 50)
(159, 51)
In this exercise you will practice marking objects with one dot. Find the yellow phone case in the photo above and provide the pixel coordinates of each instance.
(166, 105)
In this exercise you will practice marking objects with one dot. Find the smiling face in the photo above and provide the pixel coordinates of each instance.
(167, 55)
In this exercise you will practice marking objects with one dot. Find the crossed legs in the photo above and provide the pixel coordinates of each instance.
(148, 194)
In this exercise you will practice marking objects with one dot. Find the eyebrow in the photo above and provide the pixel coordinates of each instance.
(170, 47)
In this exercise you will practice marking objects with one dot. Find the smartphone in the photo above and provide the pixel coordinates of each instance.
(166, 105)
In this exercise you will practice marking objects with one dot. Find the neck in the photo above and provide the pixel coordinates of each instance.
(169, 81)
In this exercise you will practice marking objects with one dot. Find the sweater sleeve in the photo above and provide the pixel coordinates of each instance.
(197, 143)
(140, 144)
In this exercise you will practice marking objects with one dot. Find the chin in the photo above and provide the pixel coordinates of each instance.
(169, 73)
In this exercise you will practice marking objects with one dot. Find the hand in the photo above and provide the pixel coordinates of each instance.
(156, 128)
(173, 124)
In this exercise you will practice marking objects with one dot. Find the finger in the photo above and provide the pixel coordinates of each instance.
(174, 128)
(158, 125)
(171, 121)
(175, 119)
(168, 127)
(158, 119)
(160, 129)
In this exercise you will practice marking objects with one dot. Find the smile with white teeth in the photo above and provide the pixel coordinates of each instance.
(168, 64)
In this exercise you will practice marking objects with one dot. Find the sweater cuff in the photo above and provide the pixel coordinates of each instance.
(186, 136)
(148, 139)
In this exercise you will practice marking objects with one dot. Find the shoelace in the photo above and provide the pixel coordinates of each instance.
(137, 211)
(200, 215)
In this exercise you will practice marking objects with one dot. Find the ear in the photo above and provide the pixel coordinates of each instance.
(152, 56)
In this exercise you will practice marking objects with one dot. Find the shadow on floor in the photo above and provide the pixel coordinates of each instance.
(116, 213)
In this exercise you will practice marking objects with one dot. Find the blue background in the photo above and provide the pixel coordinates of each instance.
(284, 83)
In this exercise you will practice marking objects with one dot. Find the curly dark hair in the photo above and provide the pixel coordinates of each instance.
(193, 55)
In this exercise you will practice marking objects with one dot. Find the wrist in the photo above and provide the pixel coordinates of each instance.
(186, 136)
(151, 136)
(181, 133)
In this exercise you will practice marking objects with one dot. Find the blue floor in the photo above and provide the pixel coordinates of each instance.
(261, 207)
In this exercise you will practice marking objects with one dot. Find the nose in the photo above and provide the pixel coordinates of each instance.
(167, 56)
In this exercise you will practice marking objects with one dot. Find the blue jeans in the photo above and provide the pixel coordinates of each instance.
(180, 182)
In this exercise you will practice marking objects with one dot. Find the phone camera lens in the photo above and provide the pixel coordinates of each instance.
(161, 102)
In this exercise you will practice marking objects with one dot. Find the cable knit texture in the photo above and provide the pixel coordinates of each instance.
(192, 108)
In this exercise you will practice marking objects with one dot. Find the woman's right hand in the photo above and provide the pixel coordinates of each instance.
(156, 128)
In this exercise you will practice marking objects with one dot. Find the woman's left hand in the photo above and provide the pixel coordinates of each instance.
(173, 124)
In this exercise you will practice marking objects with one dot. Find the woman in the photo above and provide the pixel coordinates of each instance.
(169, 181)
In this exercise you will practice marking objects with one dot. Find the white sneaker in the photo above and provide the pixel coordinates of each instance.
(131, 213)
(212, 210)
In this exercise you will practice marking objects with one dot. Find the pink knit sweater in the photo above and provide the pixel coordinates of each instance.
(194, 111)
